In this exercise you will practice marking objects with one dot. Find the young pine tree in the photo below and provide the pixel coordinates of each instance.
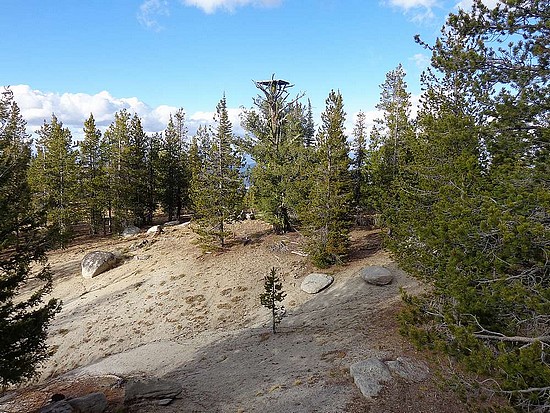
(272, 295)
(218, 186)
(327, 220)
(23, 320)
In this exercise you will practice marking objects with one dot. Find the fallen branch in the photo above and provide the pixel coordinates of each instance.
(517, 339)
(529, 390)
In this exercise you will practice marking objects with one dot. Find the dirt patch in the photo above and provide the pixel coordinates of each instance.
(195, 318)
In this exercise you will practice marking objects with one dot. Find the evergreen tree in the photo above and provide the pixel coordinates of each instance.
(358, 171)
(327, 219)
(136, 173)
(390, 141)
(53, 176)
(93, 175)
(475, 213)
(129, 171)
(173, 167)
(273, 148)
(23, 321)
(309, 135)
(153, 170)
(218, 187)
(273, 295)
(117, 139)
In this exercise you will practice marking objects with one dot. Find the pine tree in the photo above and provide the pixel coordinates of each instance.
(153, 179)
(327, 220)
(53, 176)
(390, 140)
(117, 139)
(309, 136)
(136, 172)
(173, 167)
(23, 321)
(93, 177)
(475, 213)
(128, 169)
(273, 148)
(358, 171)
(218, 187)
(273, 295)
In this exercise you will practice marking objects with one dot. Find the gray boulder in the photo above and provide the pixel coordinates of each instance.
(91, 403)
(130, 231)
(410, 370)
(96, 262)
(376, 275)
(171, 223)
(315, 282)
(155, 229)
(62, 406)
(151, 389)
(369, 375)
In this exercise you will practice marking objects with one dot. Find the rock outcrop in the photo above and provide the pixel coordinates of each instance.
(96, 262)
(370, 375)
(130, 231)
(151, 389)
(315, 282)
(91, 403)
(376, 275)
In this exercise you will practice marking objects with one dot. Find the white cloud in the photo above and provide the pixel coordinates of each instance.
(418, 10)
(467, 4)
(150, 10)
(207, 118)
(74, 108)
(421, 60)
(210, 6)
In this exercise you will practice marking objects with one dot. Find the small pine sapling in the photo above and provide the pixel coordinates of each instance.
(273, 294)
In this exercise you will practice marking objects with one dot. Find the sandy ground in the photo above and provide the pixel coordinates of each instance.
(171, 310)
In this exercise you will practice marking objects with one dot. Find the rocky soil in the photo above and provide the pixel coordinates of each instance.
(172, 311)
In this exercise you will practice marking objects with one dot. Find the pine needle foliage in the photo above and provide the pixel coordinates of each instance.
(473, 218)
(271, 297)
(327, 217)
(93, 175)
(23, 241)
(217, 184)
(53, 176)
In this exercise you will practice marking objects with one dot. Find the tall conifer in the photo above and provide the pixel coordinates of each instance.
(218, 187)
(327, 219)
(23, 321)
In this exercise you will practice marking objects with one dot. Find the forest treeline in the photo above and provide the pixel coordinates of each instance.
(462, 188)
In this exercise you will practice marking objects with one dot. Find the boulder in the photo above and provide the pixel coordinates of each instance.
(130, 231)
(376, 275)
(96, 262)
(313, 283)
(155, 230)
(91, 403)
(151, 389)
(369, 375)
(62, 406)
(410, 370)
(171, 223)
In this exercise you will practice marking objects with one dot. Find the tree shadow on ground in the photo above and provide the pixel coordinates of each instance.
(302, 368)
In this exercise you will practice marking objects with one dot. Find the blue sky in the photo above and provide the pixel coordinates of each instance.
(73, 57)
